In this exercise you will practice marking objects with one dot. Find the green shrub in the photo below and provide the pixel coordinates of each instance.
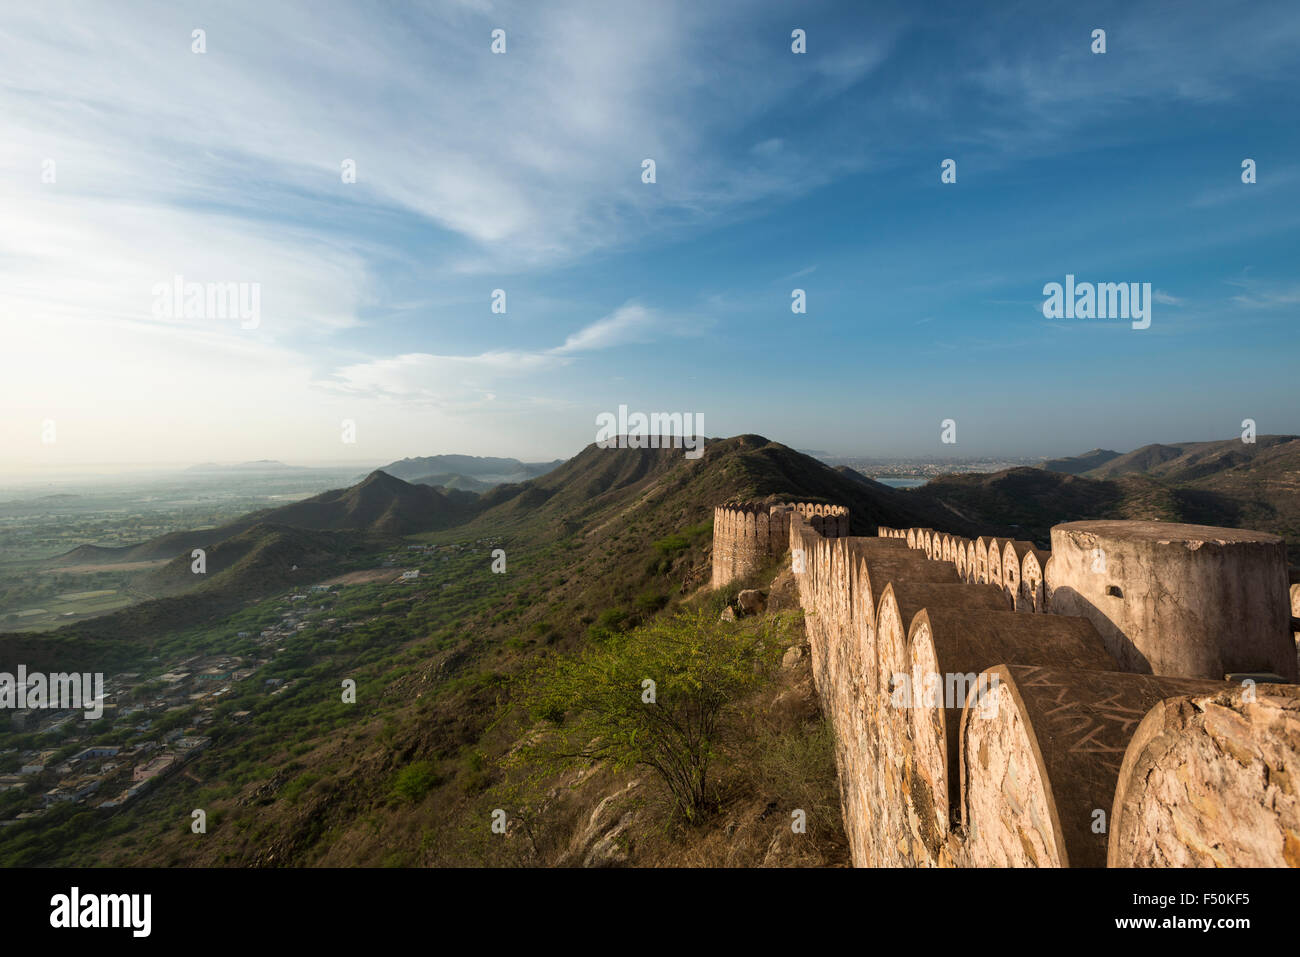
(293, 790)
(698, 667)
(414, 781)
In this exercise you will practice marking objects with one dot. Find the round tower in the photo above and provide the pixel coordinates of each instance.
(1169, 599)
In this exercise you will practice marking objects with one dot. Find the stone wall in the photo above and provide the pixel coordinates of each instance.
(972, 729)
(745, 536)
(1211, 781)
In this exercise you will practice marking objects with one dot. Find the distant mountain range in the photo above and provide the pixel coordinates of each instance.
(261, 465)
(1196, 461)
(590, 500)
(1226, 482)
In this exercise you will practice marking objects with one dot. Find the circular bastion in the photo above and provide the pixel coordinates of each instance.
(1172, 599)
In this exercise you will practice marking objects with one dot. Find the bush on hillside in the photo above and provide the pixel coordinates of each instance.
(414, 781)
(601, 705)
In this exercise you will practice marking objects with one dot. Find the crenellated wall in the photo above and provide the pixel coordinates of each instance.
(744, 536)
(972, 729)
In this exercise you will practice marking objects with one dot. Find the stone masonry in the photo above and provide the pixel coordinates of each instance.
(984, 715)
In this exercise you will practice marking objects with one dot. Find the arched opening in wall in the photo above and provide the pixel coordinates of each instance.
(1114, 591)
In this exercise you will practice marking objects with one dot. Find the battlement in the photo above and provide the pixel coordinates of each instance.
(992, 709)
(746, 535)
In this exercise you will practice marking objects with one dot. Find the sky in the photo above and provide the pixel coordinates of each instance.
(128, 158)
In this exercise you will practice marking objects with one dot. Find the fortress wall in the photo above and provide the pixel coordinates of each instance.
(993, 561)
(1295, 616)
(981, 561)
(949, 647)
(1177, 599)
(1212, 781)
(746, 536)
(909, 810)
(1031, 581)
(1013, 557)
(1021, 773)
(1040, 764)
(838, 591)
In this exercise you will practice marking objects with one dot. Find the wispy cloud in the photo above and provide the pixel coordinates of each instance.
(1266, 294)
(444, 379)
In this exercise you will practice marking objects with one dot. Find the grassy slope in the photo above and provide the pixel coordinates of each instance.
(310, 780)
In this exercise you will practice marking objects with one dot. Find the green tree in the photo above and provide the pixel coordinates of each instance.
(653, 697)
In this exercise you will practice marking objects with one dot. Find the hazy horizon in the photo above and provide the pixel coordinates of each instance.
(114, 469)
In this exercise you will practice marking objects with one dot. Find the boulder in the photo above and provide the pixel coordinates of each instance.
(751, 601)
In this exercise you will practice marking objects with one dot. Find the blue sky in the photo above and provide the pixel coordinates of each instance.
(522, 172)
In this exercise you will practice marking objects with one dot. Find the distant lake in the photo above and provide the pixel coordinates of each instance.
(901, 482)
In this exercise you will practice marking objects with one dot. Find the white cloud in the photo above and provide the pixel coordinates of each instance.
(445, 381)
(630, 323)
(225, 167)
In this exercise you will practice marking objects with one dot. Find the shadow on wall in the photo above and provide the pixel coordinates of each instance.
(1065, 600)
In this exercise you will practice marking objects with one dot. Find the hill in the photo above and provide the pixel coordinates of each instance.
(378, 505)
(454, 480)
(599, 486)
(1193, 461)
(486, 469)
(1027, 502)
(600, 520)
(1227, 482)
(1078, 464)
(1223, 482)
(259, 561)
(611, 540)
